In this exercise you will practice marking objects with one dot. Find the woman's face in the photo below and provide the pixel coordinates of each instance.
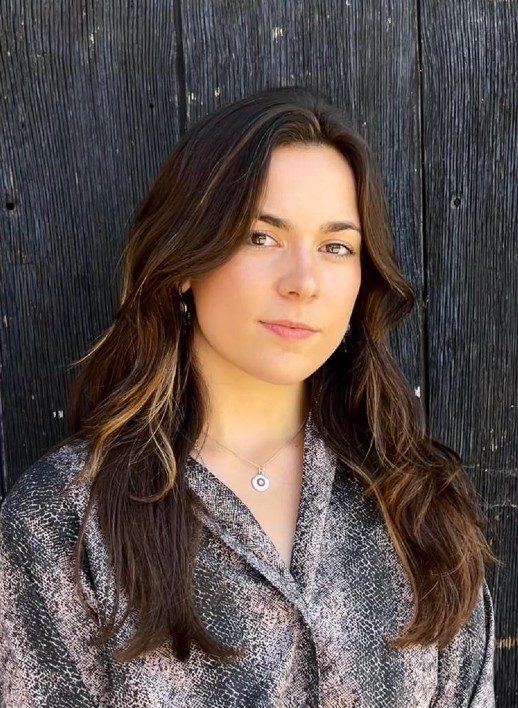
(294, 271)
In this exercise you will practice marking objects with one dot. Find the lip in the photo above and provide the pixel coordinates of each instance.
(285, 332)
(289, 323)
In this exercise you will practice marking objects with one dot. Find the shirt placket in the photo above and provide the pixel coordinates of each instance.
(233, 522)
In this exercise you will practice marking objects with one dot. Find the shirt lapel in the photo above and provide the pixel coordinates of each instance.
(319, 467)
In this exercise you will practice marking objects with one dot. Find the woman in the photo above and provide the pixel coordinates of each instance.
(249, 510)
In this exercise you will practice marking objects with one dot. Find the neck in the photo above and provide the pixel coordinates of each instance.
(245, 414)
(257, 431)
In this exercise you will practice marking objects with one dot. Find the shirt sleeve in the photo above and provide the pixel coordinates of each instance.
(46, 655)
(466, 669)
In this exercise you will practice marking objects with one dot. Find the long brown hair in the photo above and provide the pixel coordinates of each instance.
(139, 399)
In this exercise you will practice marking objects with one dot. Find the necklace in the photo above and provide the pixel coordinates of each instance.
(259, 481)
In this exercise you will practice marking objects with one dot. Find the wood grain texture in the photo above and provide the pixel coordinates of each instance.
(90, 111)
(470, 142)
(95, 94)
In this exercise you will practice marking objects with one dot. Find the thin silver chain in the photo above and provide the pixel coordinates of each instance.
(259, 481)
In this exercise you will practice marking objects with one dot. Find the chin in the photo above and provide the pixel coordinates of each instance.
(283, 374)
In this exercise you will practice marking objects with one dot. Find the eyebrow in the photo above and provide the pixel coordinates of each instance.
(327, 228)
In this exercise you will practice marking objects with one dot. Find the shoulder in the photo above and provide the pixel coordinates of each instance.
(40, 509)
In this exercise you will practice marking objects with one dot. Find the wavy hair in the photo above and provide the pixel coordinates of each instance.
(139, 399)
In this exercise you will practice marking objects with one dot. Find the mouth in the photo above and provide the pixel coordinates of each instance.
(288, 332)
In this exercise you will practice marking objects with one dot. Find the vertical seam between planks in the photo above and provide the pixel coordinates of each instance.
(424, 348)
(180, 68)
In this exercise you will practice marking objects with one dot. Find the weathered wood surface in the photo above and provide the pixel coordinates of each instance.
(469, 136)
(94, 95)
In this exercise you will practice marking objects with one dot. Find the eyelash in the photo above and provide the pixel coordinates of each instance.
(350, 251)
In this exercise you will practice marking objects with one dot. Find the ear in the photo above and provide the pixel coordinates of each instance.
(185, 285)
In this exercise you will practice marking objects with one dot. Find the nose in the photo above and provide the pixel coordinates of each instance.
(299, 272)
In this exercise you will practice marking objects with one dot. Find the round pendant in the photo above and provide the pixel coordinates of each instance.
(260, 482)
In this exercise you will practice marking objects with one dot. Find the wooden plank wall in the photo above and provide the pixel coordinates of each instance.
(94, 95)
(469, 137)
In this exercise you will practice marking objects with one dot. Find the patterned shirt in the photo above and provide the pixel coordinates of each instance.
(315, 633)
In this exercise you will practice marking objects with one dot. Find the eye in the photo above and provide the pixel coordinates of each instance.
(348, 250)
(260, 234)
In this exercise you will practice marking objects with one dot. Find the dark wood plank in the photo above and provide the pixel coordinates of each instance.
(469, 105)
(90, 111)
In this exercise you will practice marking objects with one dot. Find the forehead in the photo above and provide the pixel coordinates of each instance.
(309, 181)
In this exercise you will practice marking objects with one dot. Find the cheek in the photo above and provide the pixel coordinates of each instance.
(342, 294)
(227, 297)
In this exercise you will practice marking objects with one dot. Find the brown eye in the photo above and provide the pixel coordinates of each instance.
(259, 234)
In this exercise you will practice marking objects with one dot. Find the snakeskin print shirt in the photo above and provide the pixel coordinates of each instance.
(315, 633)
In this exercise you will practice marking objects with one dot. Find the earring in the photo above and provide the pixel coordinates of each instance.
(344, 338)
(184, 309)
